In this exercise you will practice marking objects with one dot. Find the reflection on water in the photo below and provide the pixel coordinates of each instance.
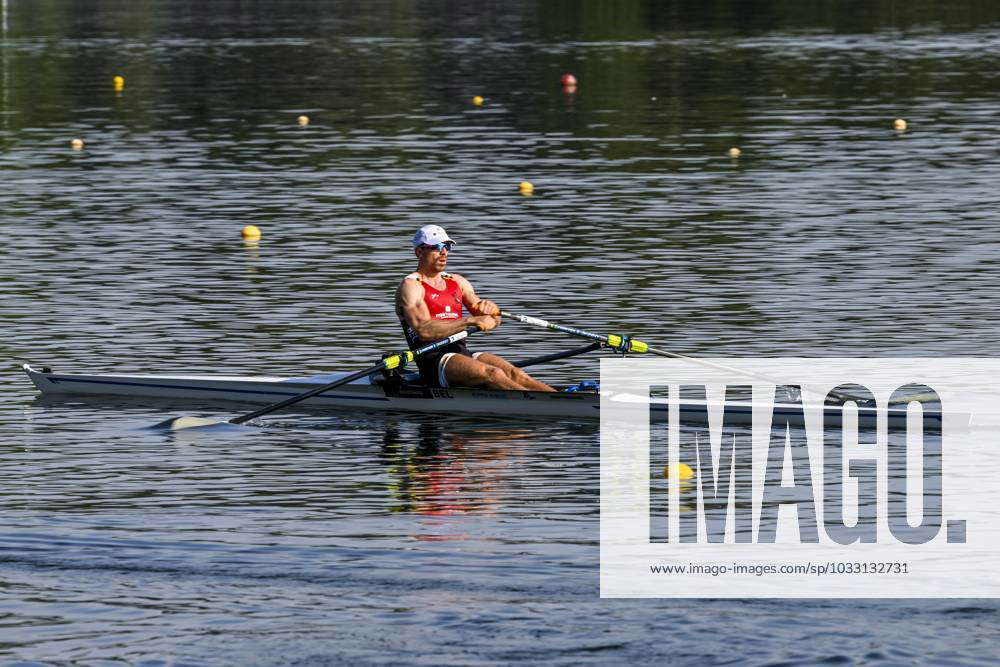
(444, 471)
(346, 537)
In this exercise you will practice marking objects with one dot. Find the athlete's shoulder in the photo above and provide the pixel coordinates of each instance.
(461, 281)
(411, 286)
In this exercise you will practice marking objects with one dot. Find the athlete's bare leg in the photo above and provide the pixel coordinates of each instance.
(490, 371)
(513, 372)
(463, 371)
(466, 371)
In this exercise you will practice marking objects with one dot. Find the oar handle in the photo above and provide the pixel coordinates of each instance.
(397, 360)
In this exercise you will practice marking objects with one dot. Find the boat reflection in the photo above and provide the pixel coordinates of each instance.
(442, 468)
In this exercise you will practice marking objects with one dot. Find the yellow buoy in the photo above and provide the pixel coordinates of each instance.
(899, 124)
(526, 188)
(478, 101)
(303, 120)
(77, 144)
(680, 472)
(251, 232)
(735, 152)
(119, 82)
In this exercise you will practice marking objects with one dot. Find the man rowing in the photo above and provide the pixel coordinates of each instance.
(429, 306)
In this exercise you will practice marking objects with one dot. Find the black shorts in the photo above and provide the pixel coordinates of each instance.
(432, 364)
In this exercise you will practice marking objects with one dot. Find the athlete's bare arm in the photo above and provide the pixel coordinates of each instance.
(488, 369)
(476, 305)
(411, 307)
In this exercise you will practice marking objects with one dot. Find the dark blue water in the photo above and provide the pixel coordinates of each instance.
(373, 539)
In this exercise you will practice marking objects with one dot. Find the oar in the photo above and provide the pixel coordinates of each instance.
(393, 361)
(627, 344)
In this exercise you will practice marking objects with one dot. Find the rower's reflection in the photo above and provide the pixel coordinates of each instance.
(443, 469)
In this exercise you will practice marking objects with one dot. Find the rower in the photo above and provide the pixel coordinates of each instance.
(429, 306)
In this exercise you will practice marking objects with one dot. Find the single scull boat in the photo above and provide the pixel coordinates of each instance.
(402, 393)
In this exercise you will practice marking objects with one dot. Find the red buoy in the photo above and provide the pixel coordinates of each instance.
(568, 79)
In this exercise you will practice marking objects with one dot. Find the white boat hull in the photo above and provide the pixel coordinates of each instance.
(358, 395)
(368, 396)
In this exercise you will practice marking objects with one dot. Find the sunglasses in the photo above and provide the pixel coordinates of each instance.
(444, 245)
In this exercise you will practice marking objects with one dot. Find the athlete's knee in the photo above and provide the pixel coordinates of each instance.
(489, 376)
(518, 375)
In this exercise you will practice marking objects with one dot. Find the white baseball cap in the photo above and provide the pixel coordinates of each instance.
(430, 235)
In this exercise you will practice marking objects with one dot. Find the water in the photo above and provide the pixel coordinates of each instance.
(375, 539)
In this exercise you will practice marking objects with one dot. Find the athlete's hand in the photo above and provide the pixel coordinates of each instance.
(485, 322)
(486, 307)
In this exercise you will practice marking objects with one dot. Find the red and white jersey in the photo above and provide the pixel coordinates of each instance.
(443, 304)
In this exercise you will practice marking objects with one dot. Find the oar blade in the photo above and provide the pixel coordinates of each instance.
(181, 423)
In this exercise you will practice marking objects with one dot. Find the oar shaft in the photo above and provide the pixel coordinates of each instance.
(390, 362)
(612, 339)
(301, 397)
(626, 344)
